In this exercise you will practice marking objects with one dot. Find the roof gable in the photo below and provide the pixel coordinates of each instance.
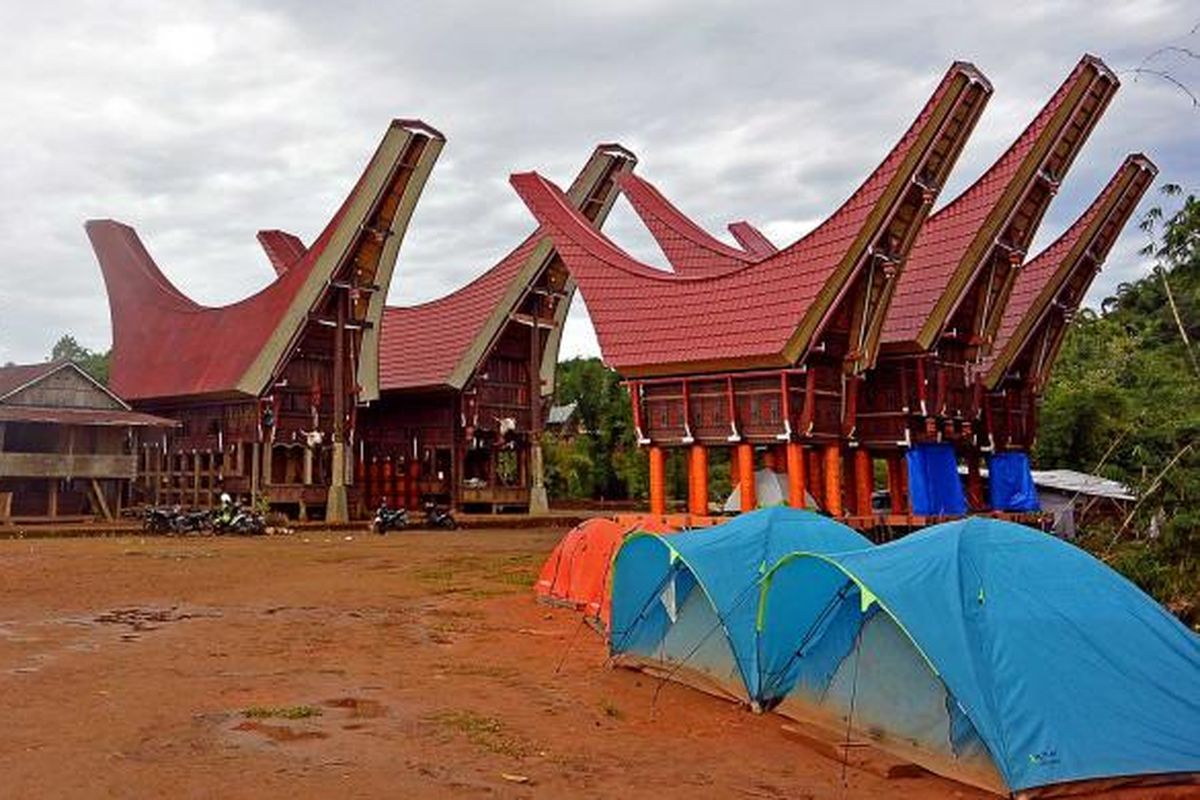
(56, 384)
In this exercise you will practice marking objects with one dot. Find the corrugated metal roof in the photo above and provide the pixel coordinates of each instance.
(98, 417)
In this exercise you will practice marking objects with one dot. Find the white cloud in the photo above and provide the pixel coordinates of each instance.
(200, 123)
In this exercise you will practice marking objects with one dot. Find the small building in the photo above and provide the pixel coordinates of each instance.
(68, 445)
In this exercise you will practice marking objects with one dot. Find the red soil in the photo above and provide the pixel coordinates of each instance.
(415, 665)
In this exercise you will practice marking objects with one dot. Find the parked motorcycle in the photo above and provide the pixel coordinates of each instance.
(158, 519)
(237, 520)
(389, 519)
(439, 517)
(185, 522)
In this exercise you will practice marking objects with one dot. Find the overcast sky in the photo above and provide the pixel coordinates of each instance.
(200, 123)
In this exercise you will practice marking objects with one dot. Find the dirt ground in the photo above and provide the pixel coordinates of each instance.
(335, 665)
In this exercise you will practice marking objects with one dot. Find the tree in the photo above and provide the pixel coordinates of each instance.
(1128, 377)
(91, 362)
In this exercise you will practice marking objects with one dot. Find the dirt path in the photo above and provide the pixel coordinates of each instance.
(415, 665)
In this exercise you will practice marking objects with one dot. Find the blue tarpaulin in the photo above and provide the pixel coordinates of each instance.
(1010, 483)
(933, 483)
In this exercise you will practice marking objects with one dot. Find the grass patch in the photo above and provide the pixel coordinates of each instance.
(611, 710)
(484, 732)
(281, 712)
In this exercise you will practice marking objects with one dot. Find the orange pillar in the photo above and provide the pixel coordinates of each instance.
(658, 481)
(833, 479)
(815, 476)
(386, 495)
(412, 485)
(864, 481)
(745, 462)
(698, 480)
(975, 500)
(795, 473)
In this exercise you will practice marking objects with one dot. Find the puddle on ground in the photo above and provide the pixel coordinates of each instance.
(358, 707)
(149, 619)
(279, 733)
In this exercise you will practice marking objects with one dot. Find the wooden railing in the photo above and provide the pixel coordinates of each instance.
(62, 465)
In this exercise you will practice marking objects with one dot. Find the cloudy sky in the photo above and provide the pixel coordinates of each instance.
(200, 123)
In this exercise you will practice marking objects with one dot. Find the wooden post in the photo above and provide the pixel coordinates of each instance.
(195, 479)
(698, 480)
(746, 476)
(336, 508)
(255, 466)
(658, 481)
(52, 498)
(833, 479)
(975, 501)
(896, 483)
(864, 480)
(795, 473)
(539, 502)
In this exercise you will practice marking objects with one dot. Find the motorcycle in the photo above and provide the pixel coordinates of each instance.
(189, 521)
(439, 517)
(158, 519)
(389, 519)
(238, 520)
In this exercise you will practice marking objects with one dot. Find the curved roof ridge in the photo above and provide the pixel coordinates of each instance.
(769, 309)
(1042, 279)
(688, 247)
(167, 345)
(752, 239)
(958, 239)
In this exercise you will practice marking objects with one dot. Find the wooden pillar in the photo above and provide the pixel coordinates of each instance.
(412, 486)
(864, 481)
(698, 481)
(308, 466)
(52, 497)
(975, 499)
(336, 506)
(795, 473)
(195, 479)
(897, 487)
(745, 463)
(833, 479)
(658, 481)
(255, 471)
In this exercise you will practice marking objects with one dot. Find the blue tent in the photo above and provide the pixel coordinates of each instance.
(988, 652)
(685, 604)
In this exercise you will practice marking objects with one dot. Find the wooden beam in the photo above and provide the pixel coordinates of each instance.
(101, 502)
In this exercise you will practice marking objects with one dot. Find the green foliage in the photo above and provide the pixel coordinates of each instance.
(91, 362)
(597, 457)
(1124, 400)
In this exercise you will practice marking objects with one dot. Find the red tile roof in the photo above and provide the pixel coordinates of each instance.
(16, 376)
(752, 239)
(647, 320)
(947, 244)
(1082, 246)
(424, 346)
(166, 345)
(282, 248)
(689, 249)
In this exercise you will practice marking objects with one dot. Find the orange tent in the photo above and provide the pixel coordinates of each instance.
(577, 572)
